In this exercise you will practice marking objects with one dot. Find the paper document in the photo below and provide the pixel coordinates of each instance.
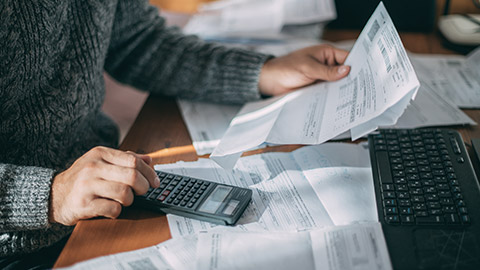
(333, 248)
(257, 18)
(455, 77)
(431, 109)
(287, 188)
(381, 78)
(359, 246)
(308, 11)
(206, 122)
(237, 17)
(178, 254)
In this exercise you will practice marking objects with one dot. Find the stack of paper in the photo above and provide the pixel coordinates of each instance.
(258, 19)
(379, 87)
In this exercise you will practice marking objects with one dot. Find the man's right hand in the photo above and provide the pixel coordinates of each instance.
(98, 184)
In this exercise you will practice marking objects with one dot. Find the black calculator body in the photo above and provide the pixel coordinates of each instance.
(196, 198)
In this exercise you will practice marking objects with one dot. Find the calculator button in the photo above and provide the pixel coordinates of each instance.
(183, 203)
(161, 198)
(190, 205)
(176, 202)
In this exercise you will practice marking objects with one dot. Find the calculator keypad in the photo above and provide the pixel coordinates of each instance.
(178, 190)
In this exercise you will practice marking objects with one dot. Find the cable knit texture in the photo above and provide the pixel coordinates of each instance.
(52, 57)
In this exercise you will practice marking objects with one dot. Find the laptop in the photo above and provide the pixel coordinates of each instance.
(428, 198)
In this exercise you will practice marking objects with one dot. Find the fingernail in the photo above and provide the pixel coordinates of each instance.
(157, 181)
(342, 69)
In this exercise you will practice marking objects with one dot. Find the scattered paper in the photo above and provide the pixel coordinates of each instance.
(286, 189)
(358, 246)
(343, 247)
(206, 122)
(381, 79)
(178, 254)
(455, 77)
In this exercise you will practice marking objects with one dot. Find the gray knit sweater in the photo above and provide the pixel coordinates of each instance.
(52, 57)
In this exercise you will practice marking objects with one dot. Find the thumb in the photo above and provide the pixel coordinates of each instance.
(336, 72)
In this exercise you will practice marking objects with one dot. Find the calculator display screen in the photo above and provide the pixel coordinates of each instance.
(215, 199)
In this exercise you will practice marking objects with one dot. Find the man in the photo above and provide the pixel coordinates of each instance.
(58, 164)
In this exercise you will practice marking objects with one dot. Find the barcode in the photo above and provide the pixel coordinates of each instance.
(385, 55)
(373, 30)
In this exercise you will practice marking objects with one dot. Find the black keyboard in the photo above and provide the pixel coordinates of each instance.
(417, 176)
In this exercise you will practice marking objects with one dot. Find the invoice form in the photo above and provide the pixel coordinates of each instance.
(173, 254)
(359, 246)
(455, 77)
(289, 189)
(381, 78)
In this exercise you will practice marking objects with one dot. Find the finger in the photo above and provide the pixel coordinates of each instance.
(329, 55)
(118, 192)
(127, 176)
(340, 56)
(146, 158)
(318, 71)
(130, 160)
(104, 208)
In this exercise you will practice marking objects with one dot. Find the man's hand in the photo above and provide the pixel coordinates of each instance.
(98, 184)
(301, 68)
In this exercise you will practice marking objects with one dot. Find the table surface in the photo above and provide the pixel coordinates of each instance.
(160, 132)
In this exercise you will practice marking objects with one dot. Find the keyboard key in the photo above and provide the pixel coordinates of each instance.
(430, 220)
(452, 218)
(407, 219)
(390, 202)
(391, 210)
(392, 219)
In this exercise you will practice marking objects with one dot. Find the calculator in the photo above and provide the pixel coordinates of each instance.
(196, 198)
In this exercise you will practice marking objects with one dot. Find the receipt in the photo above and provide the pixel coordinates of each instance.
(381, 79)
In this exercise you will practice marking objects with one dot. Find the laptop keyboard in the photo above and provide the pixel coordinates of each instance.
(416, 176)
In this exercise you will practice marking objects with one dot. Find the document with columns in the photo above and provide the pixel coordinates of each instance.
(381, 81)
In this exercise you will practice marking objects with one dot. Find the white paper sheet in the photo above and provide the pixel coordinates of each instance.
(308, 11)
(285, 189)
(257, 18)
(430, 109)
(343, 247)
(237, 17)
(381, 77)
(206, 122)
(178, 254)
(456, 78)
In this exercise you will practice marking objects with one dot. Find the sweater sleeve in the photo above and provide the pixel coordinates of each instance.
(146, 54)
(25, 193)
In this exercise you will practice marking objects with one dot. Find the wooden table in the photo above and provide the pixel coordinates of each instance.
(160, 131)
